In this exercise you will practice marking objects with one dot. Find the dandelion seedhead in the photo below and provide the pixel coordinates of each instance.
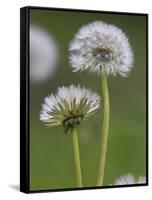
(130, 179)
(101, 48)
(69, 107)
(43, 54)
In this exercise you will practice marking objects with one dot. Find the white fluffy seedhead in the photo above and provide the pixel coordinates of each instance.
(129, 179)
(43, 54)
(101, 48)
(69, 106)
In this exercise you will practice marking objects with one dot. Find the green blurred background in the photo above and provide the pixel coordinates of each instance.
(51, 151)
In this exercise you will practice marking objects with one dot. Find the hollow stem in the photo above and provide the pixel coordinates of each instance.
(77, 158)
(104, 133)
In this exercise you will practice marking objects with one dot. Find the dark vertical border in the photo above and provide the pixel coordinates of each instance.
(24, 101)
(147, 101)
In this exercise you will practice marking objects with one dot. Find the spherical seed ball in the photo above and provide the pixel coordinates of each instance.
(101, 48)
(43, 54)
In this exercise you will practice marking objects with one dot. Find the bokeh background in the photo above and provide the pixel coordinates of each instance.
(51, 151)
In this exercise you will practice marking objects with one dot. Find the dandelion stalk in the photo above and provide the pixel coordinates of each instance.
(105, 128)
(77, 158)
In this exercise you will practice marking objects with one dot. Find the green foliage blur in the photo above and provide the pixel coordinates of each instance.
(51, 151)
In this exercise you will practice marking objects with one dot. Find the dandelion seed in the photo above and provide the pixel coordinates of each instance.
(130, 179)
(101, 48)
(69, 107)
(43, 54)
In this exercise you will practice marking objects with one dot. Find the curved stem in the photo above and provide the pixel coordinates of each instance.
(104, 133)
(77, 158)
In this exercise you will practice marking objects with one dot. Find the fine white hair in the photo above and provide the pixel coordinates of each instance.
(100, 47)
(69, 102)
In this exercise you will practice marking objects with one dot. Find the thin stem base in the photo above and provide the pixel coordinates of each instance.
(104, 133)
(77, 158)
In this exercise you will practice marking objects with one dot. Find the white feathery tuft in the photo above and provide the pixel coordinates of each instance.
(100, 47)
(69, 103)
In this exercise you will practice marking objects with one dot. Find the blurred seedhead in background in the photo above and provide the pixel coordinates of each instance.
(43, 54)
(130, 179)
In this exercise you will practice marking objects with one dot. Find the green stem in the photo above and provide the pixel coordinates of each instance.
(104, 133)
(77, 158)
